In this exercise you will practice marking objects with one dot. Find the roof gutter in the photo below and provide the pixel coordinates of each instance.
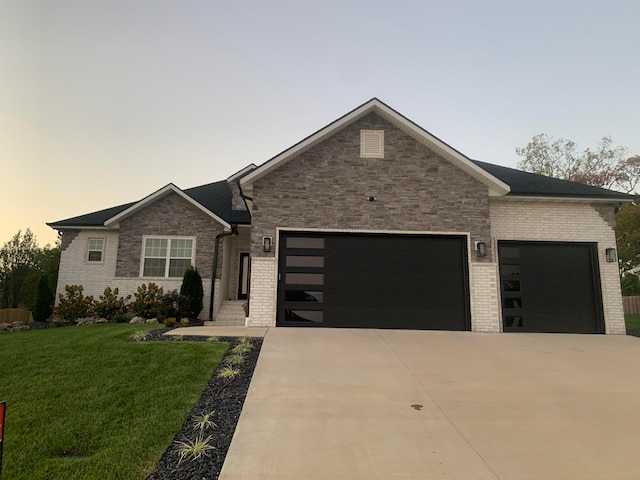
(234, 231)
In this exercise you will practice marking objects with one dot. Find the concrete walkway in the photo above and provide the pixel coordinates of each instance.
(390, 404)
(222, 331)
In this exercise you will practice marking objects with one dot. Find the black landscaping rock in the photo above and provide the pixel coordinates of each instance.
(225, 401)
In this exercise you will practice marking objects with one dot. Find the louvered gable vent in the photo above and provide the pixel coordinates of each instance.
(371, 143)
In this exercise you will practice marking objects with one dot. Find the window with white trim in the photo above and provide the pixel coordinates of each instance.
(167, 257)
(95, 247)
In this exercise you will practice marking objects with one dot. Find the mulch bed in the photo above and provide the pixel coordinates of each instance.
(226, 405)
(634, 333)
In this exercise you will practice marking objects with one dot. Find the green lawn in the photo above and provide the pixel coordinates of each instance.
(632, 321)
(83, 403)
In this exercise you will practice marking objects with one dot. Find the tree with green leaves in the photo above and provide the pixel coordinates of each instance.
(608, 165)
(192, 289)
(45, 298)
(22, 262)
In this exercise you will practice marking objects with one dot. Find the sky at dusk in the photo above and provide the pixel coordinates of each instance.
(104, 102)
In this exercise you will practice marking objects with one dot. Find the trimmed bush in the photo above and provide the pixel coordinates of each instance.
(147, 301)
(43, 305)
(192, 288)
(73, 304)
(110, 304)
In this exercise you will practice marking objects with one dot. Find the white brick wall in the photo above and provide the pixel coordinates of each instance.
(566, 222)
(485, 297)
(95, 277)
(262, 297)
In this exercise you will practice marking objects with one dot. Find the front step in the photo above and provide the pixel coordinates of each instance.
(231, 314)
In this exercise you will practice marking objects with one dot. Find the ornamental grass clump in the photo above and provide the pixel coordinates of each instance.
(193, 450)
(204, 421)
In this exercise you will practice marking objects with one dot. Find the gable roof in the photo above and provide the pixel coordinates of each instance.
(525, 184)
(213, 198)
(496, 186)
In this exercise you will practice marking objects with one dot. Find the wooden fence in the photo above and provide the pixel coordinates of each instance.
(10, 315)
(631, 304)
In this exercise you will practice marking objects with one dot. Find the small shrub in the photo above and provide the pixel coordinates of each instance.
(242, 348)
(109, 304)
(178, 338)
(194, 450)
(192, 288)
(119, 318)
(229, 372)
(170, 322)
(204, 421)
(235, 360)
(139, 336)
(45, 298)
(147, 301)
(213, 339)
(73, 304)
(184, 322)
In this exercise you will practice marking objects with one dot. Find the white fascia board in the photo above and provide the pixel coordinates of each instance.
(532, 198)
(170, 188)
(242, 172)
(376, 106)
(79, 227)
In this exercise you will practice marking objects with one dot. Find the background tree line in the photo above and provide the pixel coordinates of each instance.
(608, 166)
(27, 269)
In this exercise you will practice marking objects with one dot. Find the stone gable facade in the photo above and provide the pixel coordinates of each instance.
(168, 216)
(327, 187)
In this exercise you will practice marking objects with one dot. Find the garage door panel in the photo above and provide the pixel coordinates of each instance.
(382, 281)
(550, 287)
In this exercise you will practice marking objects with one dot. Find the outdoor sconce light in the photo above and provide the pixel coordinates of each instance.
(610, 253)
(266, 244)
(481, 248)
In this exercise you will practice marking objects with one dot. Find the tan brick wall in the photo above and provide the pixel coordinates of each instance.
(566, 222)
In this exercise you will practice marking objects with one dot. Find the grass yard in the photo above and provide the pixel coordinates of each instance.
(632, 321)
(83, 403)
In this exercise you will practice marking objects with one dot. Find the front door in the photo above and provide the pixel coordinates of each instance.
(243, 277)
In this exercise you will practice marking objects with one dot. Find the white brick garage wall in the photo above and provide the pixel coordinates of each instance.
(564, 222)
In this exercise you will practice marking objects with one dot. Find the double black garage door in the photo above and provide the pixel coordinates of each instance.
(373, 281)
(421, 282)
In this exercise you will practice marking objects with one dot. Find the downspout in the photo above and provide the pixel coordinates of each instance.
(234, 231)
(244, 197)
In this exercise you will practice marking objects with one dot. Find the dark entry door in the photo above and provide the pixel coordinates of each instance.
(550, 287)
(373, 281)
(243, 277)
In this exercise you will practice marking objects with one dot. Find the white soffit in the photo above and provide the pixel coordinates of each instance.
(158, 194)
(496, 186)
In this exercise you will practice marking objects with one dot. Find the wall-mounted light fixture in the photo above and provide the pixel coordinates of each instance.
(266, 244)
(481, 249)
(610, 254)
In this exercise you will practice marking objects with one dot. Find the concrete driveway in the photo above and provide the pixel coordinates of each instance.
(391, 404)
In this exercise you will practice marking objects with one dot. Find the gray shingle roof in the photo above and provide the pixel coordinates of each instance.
(215, 197)
(534, 185)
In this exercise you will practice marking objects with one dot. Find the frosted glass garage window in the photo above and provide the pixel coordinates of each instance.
(167, 257)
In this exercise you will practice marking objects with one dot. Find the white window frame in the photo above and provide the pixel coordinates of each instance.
(89, 250)
(168, 256)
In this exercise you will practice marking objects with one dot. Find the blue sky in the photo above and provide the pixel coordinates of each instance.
(104, 102)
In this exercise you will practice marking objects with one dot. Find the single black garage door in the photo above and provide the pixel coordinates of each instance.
(550, 287)
(373, 281)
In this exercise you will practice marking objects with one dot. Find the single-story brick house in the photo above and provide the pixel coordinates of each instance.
(369, 222)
